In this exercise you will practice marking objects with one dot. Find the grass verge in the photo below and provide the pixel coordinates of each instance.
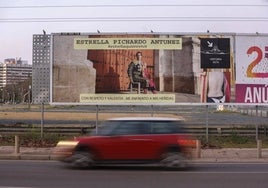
(232, 141)
(33, 139)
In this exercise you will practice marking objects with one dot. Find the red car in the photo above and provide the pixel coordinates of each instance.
(130, 140)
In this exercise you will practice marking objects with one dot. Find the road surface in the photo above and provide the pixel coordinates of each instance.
(52, 174)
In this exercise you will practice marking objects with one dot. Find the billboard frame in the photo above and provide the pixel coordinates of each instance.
(213, 35)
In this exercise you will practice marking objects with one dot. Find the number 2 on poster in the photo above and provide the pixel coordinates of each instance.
(255, 62)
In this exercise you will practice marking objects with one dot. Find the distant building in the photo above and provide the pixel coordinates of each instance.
(10, 61)
(13, 71)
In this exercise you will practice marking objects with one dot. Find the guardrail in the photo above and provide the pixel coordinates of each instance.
(52, 129)
(83, 129)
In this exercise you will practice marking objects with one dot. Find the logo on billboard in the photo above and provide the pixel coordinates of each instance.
(215, 53)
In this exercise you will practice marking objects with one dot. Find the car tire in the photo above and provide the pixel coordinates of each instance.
(82, 160)
(173, 160)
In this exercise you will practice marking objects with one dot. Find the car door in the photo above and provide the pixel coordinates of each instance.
(119, 144)
(138, 143)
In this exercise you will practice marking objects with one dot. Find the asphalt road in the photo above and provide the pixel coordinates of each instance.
(52, 174)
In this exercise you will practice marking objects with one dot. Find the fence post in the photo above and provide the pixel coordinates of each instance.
(259, 149)
(97, 118)
(152, 110)
(198, 149)
(42, 121)
(17, 144)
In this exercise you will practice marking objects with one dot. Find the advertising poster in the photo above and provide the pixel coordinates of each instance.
(252, 69)
(215, 62)
(215, 53)
(133, 68)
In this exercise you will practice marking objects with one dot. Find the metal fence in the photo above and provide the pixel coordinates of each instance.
(202, 120)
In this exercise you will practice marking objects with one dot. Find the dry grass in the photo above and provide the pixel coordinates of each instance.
(71, 115)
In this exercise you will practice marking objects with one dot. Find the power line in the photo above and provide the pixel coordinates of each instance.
(145, 5)
(133, 19)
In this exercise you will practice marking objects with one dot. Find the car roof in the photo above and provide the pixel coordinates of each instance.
(145, 119)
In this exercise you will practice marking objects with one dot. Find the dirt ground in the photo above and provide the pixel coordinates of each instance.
(71, 115)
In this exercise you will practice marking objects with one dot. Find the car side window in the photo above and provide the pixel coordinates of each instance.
(145, 127)
(127, 128)
(165, 127)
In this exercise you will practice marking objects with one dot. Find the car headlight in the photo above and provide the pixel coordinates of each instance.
(64, 149)
(67, 143)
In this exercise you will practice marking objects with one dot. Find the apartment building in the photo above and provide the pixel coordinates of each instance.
(13, 71)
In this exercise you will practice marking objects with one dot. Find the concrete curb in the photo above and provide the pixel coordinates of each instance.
(226, 155)
(201, 160)
(24, 157)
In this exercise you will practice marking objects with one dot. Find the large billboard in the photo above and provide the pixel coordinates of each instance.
(252, 69)
(141, 68)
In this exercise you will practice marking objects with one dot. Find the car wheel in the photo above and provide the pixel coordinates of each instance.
(82, 159)
(173, 160)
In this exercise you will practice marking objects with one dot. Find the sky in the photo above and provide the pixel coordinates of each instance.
(21, 19)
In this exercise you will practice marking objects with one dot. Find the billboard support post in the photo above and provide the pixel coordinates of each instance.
(207, 123)
(256, 125)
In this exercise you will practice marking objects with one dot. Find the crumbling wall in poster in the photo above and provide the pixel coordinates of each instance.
(73, 74)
